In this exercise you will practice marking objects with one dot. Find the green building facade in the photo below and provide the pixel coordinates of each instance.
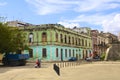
(54, 42)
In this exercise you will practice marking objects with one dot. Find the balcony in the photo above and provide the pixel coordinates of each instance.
(103, 45)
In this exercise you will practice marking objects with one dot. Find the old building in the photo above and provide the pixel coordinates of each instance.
(95, 43)
(102, 43)
(17, 23)
(119, 36)
(54, 42)
(104, 40)
(110, 38)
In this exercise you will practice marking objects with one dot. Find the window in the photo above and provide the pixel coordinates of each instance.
(83, 54)
(79, 50)
(72, 40)
(82, 42)
(56, 52)
(44, 37)
(76, 41)
(86, 42)
(76, 51)
(44, 54)
(31, 53)
(79, 42)
(89, 45)
(69, 53)
(30, 37)
(65, 39)
(65, 52)
(79, 55)
(61, 55)
(61, 38)
(69, 40)
(86, 53)
(56, 37)
(73, 53)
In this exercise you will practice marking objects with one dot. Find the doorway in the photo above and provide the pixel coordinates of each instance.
(61, 54)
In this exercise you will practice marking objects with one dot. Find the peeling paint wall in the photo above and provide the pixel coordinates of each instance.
(81, 43)
(51, 52)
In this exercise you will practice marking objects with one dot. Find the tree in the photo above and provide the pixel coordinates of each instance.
(11, 39)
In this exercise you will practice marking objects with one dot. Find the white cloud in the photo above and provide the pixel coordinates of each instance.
(69, 25)
(3, 3)
(96, 19)
(97, 5)
(109, 22)
(112, 25)
(44, 7)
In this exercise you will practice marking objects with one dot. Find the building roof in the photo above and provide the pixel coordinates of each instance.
(17, 23)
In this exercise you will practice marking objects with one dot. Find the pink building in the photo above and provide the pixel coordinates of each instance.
(95, 47)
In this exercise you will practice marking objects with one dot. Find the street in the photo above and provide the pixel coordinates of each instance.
(90, 71)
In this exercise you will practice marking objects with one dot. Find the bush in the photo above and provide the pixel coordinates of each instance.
(102, 57)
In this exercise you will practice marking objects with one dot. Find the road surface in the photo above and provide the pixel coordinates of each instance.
(92, 71)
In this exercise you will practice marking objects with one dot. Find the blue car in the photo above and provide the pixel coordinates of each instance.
(73, 59)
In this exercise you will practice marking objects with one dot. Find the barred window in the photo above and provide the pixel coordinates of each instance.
(56, 52)
(69, 53)
(56, 37)
(65, 52)
(44, 53)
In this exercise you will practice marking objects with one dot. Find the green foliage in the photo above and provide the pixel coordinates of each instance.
(11, 39)
(102, 57)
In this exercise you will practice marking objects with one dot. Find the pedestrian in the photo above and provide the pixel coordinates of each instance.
(38, 63)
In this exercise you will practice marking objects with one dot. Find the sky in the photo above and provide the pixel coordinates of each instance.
(103, 15)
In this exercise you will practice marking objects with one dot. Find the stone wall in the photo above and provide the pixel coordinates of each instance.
(113, 52)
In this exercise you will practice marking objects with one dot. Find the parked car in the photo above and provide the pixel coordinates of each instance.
(88, 59)
(73, 59)
(97, 58)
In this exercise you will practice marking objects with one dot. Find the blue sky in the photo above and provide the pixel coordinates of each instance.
(103, 15)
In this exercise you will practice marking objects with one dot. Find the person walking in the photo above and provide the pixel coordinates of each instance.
(38, 63)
